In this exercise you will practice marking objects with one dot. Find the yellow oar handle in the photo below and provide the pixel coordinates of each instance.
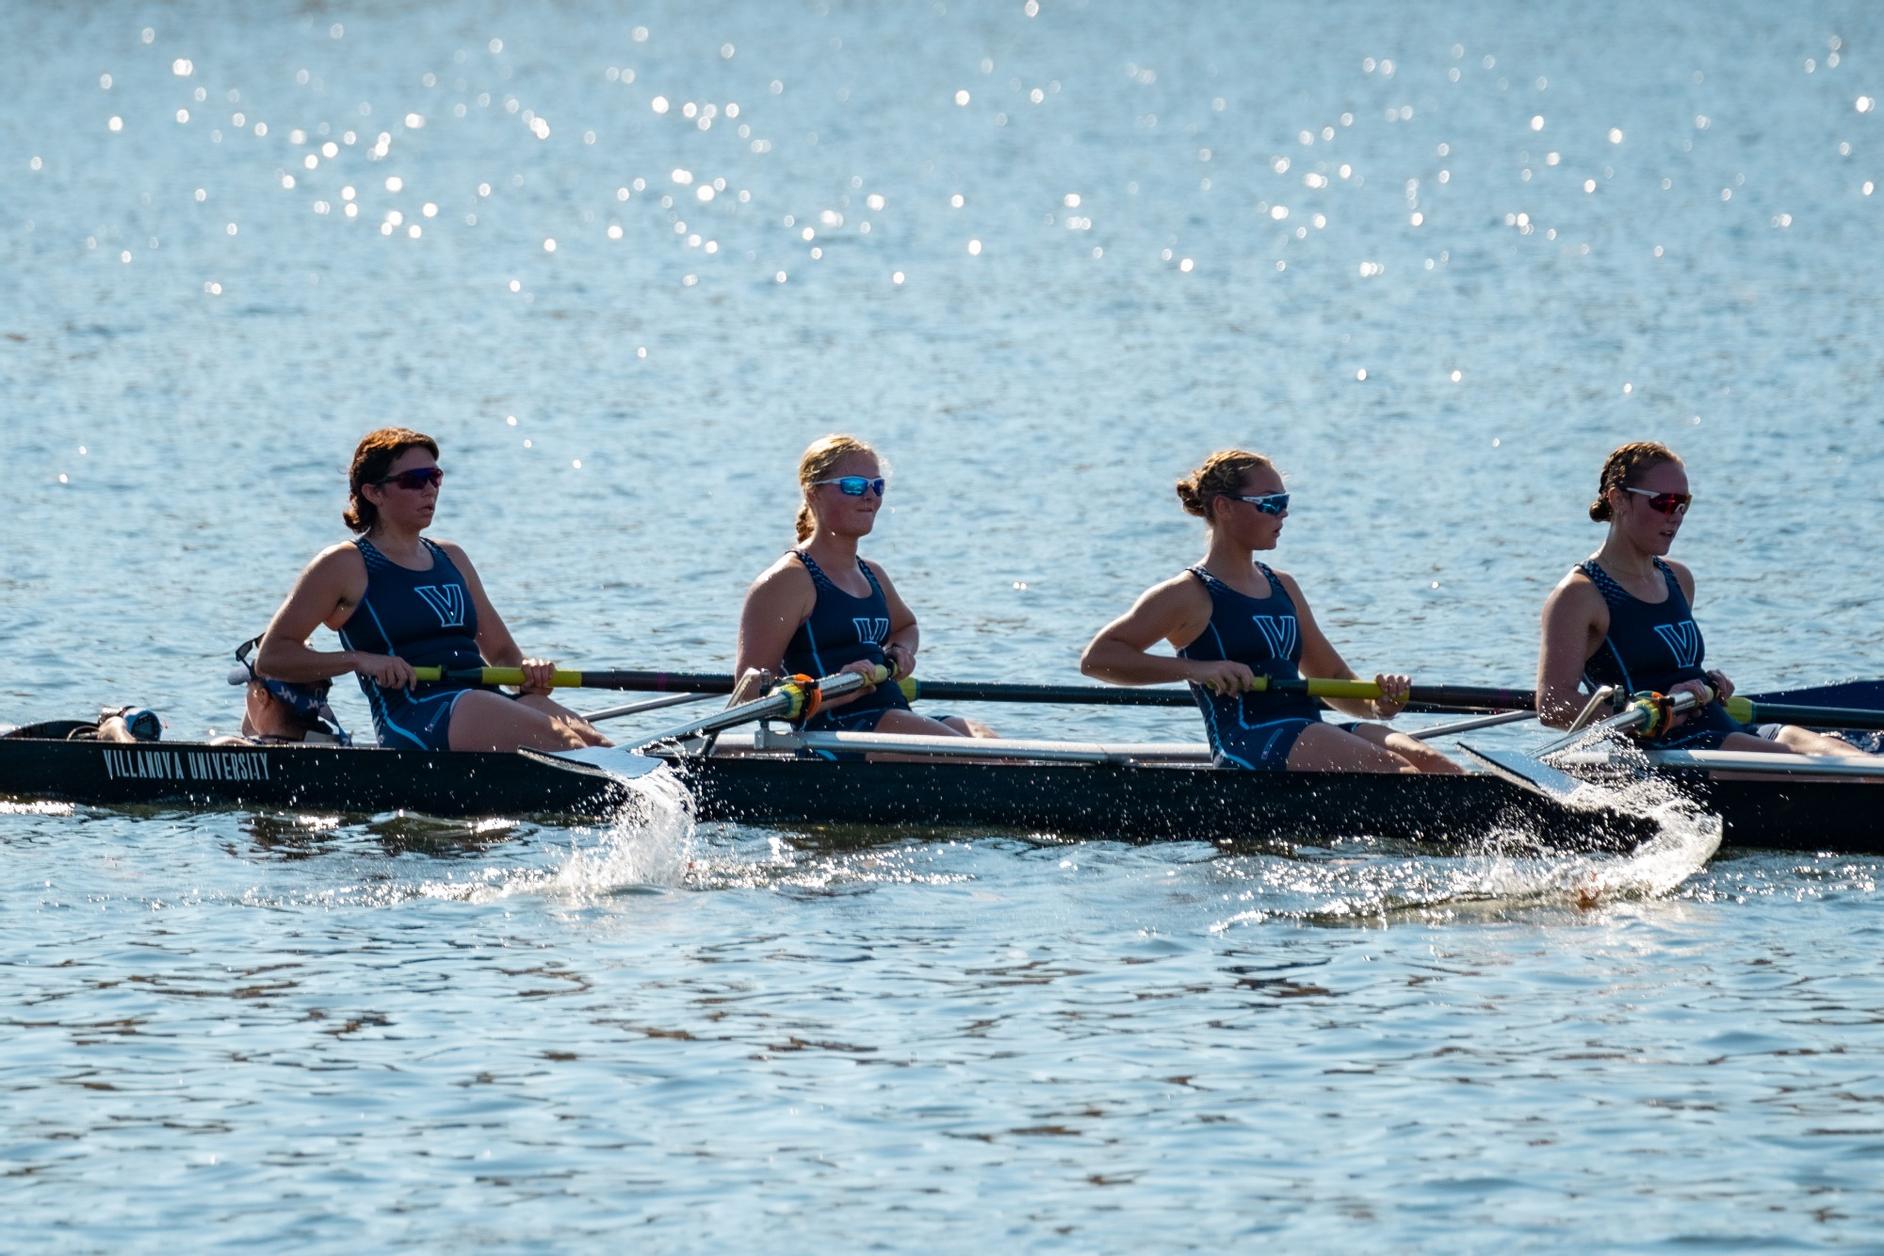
(1742, 709)
(496, 676)
(1323, 688)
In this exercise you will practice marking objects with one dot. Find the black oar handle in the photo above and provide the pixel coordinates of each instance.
(1815, 716)
(1424, 697)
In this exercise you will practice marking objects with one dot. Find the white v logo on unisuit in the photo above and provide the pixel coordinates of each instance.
(1683, 641)
(1280, 632)
(446, 601)
(871, 628)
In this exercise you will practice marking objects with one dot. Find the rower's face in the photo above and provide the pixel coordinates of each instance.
(410, 508)
(838, 511)
(1251, 523)
(1651, 529)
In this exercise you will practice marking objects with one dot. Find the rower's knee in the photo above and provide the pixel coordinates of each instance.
(1422, 756)
(967, 727)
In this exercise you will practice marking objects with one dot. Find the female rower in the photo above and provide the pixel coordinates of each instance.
(1624, 617)
(821, 609)
(400, 600)
(1231, 618)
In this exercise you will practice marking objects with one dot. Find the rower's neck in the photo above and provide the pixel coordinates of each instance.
(1231, 563)
(1625, 561)
(832, 550)
(401, 546)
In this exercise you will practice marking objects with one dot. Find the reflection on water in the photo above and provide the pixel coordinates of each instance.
(624, 266)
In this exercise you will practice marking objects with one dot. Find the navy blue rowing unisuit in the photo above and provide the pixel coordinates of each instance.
(1252, 730)
(426, 618)
(843, 628)
(1655, 646)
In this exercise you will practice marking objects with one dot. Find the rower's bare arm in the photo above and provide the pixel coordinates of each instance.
(326, 592)
(495, 644)
(1575, 619)
(1322, 661)
(778, 601)
(1175, 611)
(900, 647)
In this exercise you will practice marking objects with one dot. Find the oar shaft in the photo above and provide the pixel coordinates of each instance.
(1423, 697)
(635, 682)
(1752, 712)
(787, 700)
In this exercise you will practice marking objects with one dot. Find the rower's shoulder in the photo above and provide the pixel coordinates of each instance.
(1576, 593)
(787, 571)
(453, 551)
(1575, 582)
(340, 558)
(1186, 587)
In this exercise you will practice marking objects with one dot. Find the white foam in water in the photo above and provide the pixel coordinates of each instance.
(1513, 872)
(1686, 840)
(647, 843)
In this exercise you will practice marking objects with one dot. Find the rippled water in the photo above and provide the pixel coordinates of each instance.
(624, 266)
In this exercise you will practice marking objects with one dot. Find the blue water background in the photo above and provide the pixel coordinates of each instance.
(1437, 260)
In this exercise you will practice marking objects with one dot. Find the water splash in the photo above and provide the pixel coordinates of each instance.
(1512, 872)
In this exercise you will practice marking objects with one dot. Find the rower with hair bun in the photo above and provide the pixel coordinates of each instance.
(1231, 619)
(822, 609)
(1623, 617)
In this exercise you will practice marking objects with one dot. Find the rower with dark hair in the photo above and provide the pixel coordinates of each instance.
(400, 601)
(1232, 618)
(1623, 617)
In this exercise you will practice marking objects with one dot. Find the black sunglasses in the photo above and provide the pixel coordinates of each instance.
(415, 479)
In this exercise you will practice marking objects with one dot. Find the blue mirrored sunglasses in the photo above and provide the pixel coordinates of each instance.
(855, 485)
(1268, 503)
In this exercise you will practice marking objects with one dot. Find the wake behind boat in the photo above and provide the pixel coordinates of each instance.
(1133, 792)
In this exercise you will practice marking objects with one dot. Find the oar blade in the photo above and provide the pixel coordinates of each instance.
(619, 762)
(1524, 771)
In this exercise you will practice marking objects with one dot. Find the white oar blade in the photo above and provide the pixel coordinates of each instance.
(616, 761)
(1523, 770)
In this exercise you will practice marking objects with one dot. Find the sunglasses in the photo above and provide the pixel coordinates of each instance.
(415, 479)
(1268, 503)
(1665, 503)
(855, 485)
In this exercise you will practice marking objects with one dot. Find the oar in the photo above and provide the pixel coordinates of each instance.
(1530, 770)
(651, 704)
(1754, 711)
(1472, 725)
(632, 681)
(1421, 697)
(790, 700)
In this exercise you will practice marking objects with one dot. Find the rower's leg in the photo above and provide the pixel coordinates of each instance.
(900, 723)
(591, 736)
(482, 720)
(967, 727)
(1326, 748)
(1803, 741)
(1412, 749)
